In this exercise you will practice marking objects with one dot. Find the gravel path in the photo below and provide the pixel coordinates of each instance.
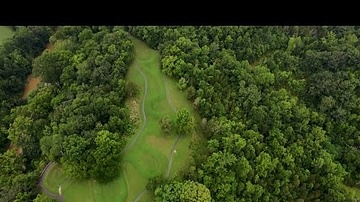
(171, 157)
(179, 137)
(52, 195)
(142, 110)
(51, 164)
(173, 146)
(140, 195)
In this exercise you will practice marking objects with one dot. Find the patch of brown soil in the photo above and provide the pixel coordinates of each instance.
(48, 46)
(134, 111)
(19, 151)
(31, 85)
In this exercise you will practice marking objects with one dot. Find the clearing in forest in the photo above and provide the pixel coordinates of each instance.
(148, 151)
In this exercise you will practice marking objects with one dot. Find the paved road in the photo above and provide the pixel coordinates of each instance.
(142, 110)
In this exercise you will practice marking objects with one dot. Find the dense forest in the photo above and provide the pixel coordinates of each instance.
(18, 174)
(87, 120)
(280, 108)
(76, 117)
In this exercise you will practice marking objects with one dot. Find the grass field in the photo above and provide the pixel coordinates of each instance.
(149, 155)
(5, 33)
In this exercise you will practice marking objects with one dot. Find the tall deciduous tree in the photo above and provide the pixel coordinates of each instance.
(185, 123)
(107, 155)
(50, 64)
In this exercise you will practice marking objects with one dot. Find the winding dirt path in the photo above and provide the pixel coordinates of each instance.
(142, 110)
(179, 137)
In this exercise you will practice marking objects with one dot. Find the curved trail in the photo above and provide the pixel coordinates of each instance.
(142, 110)
(178, 139)
(140, 195)
(173, 146)
(51, 164)
(48, 193)
(171, 157)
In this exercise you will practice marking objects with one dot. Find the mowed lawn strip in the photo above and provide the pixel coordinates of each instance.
(148, 160)
(179, 100)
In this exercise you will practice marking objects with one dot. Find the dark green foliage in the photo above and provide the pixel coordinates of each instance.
(19, 171)
(51, 64)
(155, 182)
(76, 116)
(182, 192)
(185, 123)
(166, 125)
(281, 105)
(88, 120)
(16, 56)
(132, 90)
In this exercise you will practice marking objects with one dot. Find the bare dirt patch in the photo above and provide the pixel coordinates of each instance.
(48, 46)
(133, 105)
(31, 85)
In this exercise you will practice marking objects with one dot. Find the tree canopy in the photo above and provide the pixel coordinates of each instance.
(279, 107)
(185, 123)
(280, 104)
(183, 191)
(88, 118)
(19, 162)
(77, 115)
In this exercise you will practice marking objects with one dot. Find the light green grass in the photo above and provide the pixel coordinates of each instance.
(86, 191)
(5, 33)
(55, 177)
(149, 156)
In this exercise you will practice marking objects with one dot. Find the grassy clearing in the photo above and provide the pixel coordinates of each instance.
(55, 177)
(5, 33)
(86, 191)
(149, 156)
